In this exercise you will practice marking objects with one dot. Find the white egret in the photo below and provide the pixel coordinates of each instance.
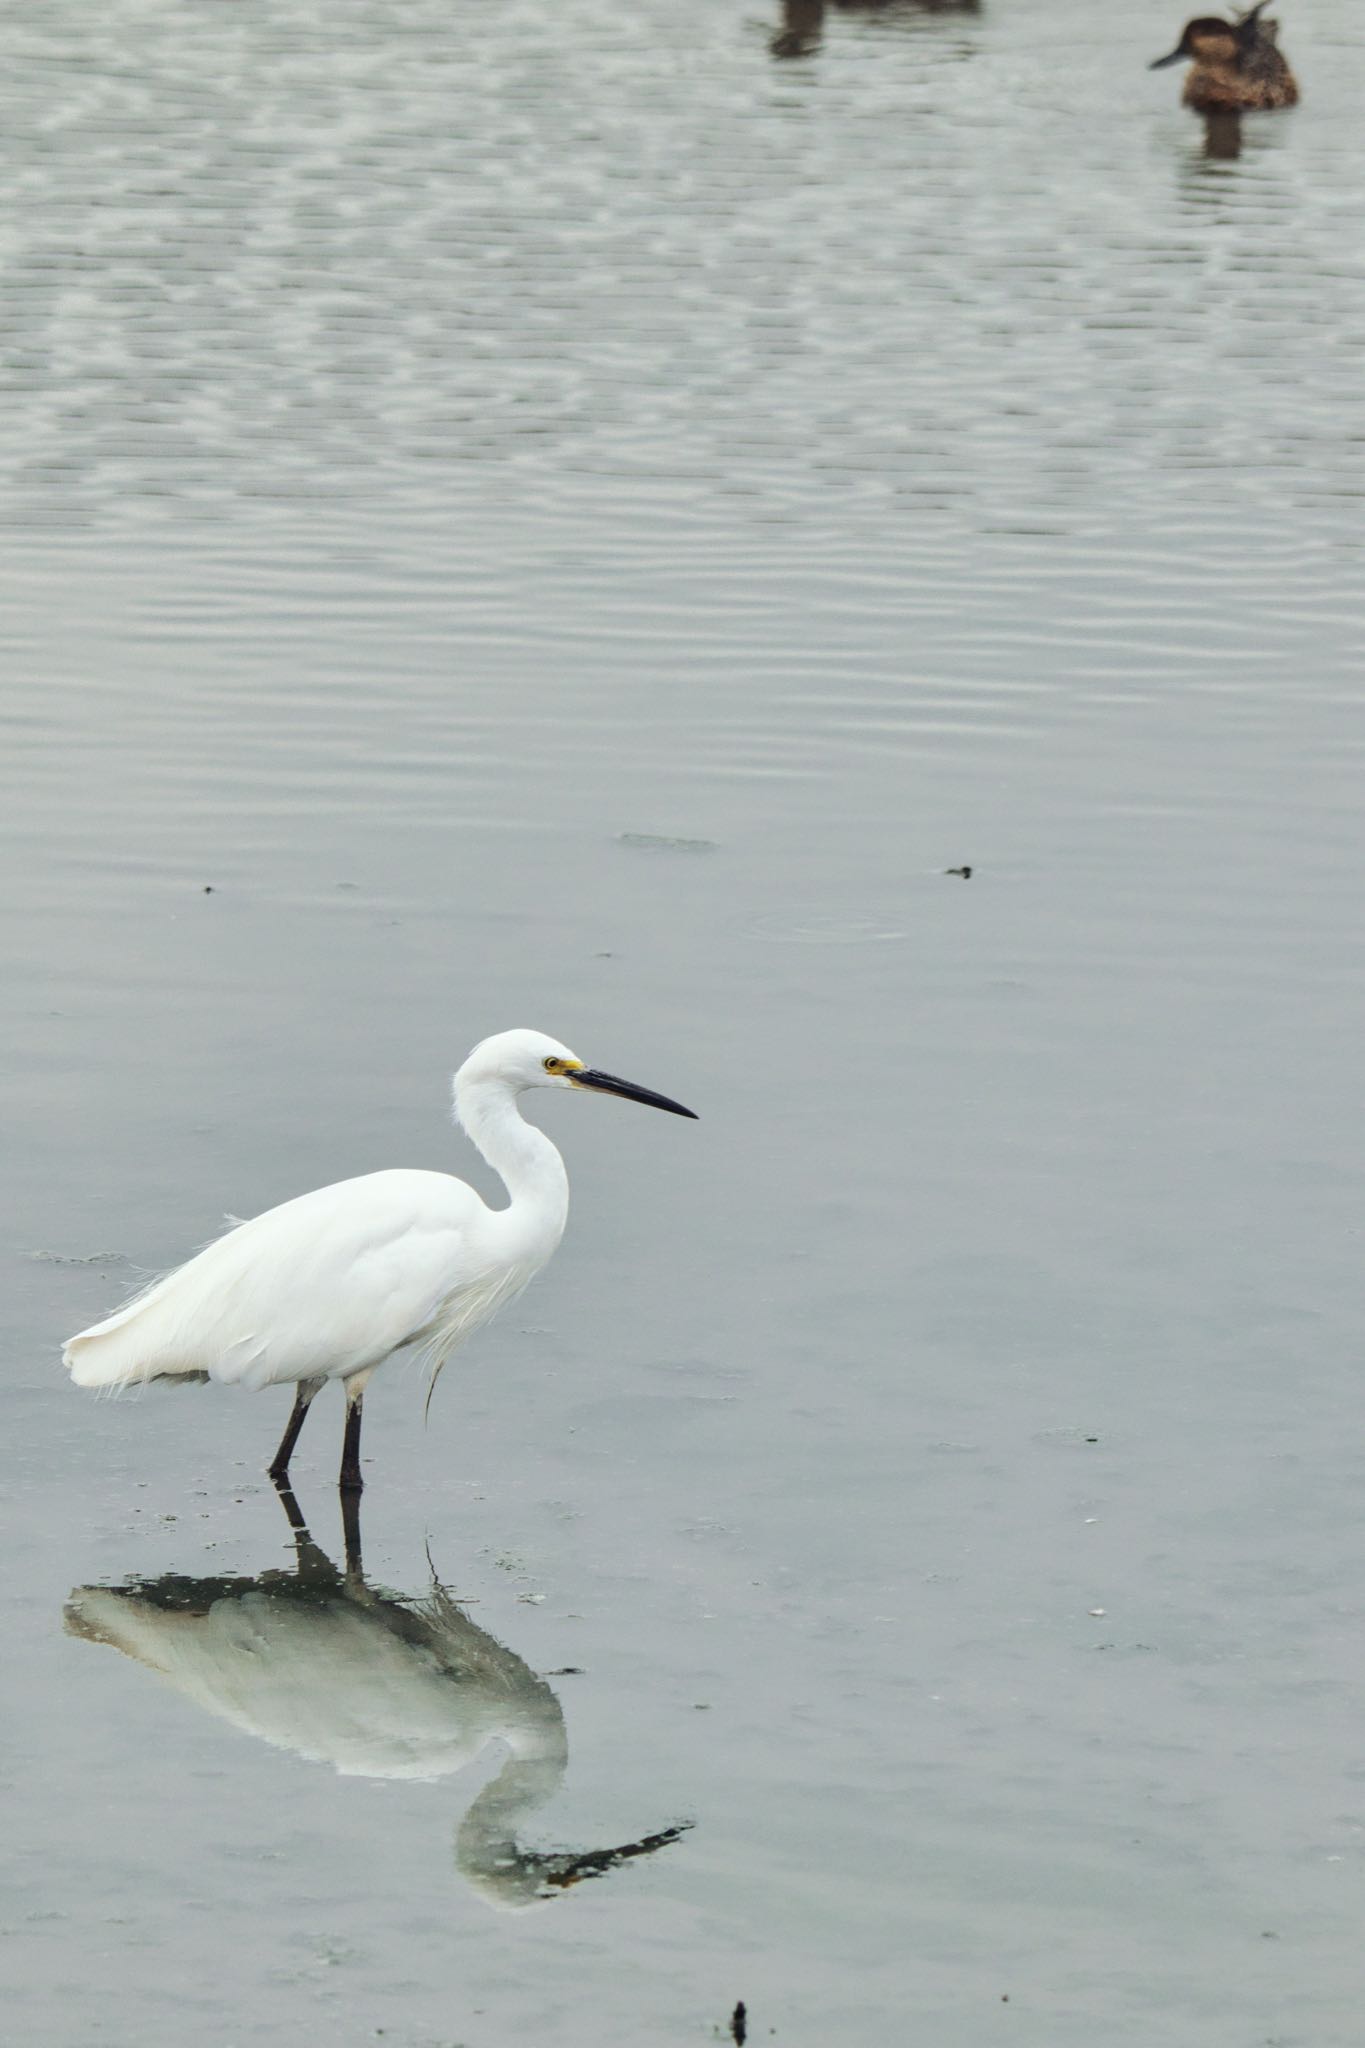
(328, 1286)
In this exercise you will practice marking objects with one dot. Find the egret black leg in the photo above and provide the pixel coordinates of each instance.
(303, 1400)
(350, 1480)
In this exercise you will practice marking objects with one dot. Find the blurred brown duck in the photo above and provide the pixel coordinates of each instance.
(1236, 66)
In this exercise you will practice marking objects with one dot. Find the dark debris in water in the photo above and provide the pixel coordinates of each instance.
(739, 2024)
(964, 873)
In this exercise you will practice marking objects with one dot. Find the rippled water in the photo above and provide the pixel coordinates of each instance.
(561, 515)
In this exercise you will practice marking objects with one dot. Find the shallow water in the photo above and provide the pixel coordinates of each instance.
(558, 516)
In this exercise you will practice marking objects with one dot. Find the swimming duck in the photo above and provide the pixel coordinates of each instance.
(1236, 66)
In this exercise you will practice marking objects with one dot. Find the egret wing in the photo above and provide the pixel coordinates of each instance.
(320, 1287)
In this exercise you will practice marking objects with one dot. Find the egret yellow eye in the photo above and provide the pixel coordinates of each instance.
(552, 1065)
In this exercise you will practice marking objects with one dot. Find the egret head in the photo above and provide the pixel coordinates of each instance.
(528, 1059)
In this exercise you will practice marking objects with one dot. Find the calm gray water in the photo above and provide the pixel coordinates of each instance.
(553, 515)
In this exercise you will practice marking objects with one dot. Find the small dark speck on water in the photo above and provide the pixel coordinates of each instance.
(208, 888)
(1092, 1439)
(964, 872)
(739, 2024)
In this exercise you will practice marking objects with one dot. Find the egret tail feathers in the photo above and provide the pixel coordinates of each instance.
(128, 1348)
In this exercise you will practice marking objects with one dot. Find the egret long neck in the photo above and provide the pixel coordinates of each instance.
(529, 1165)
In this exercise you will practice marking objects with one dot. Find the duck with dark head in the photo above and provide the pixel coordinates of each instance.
(1236, 67)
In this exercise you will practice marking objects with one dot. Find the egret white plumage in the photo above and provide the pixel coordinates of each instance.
(328, 1286)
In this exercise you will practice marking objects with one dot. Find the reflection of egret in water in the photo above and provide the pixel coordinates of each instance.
(380, 1686)
(803, 21)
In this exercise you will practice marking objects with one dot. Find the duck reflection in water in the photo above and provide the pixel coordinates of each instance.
(803, 21)
(802, 24)
(317, 1661)
(1223, 137)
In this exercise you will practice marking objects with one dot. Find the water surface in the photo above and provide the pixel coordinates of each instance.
(557, 516)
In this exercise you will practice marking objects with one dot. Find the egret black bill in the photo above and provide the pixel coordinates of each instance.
(607, 1084)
